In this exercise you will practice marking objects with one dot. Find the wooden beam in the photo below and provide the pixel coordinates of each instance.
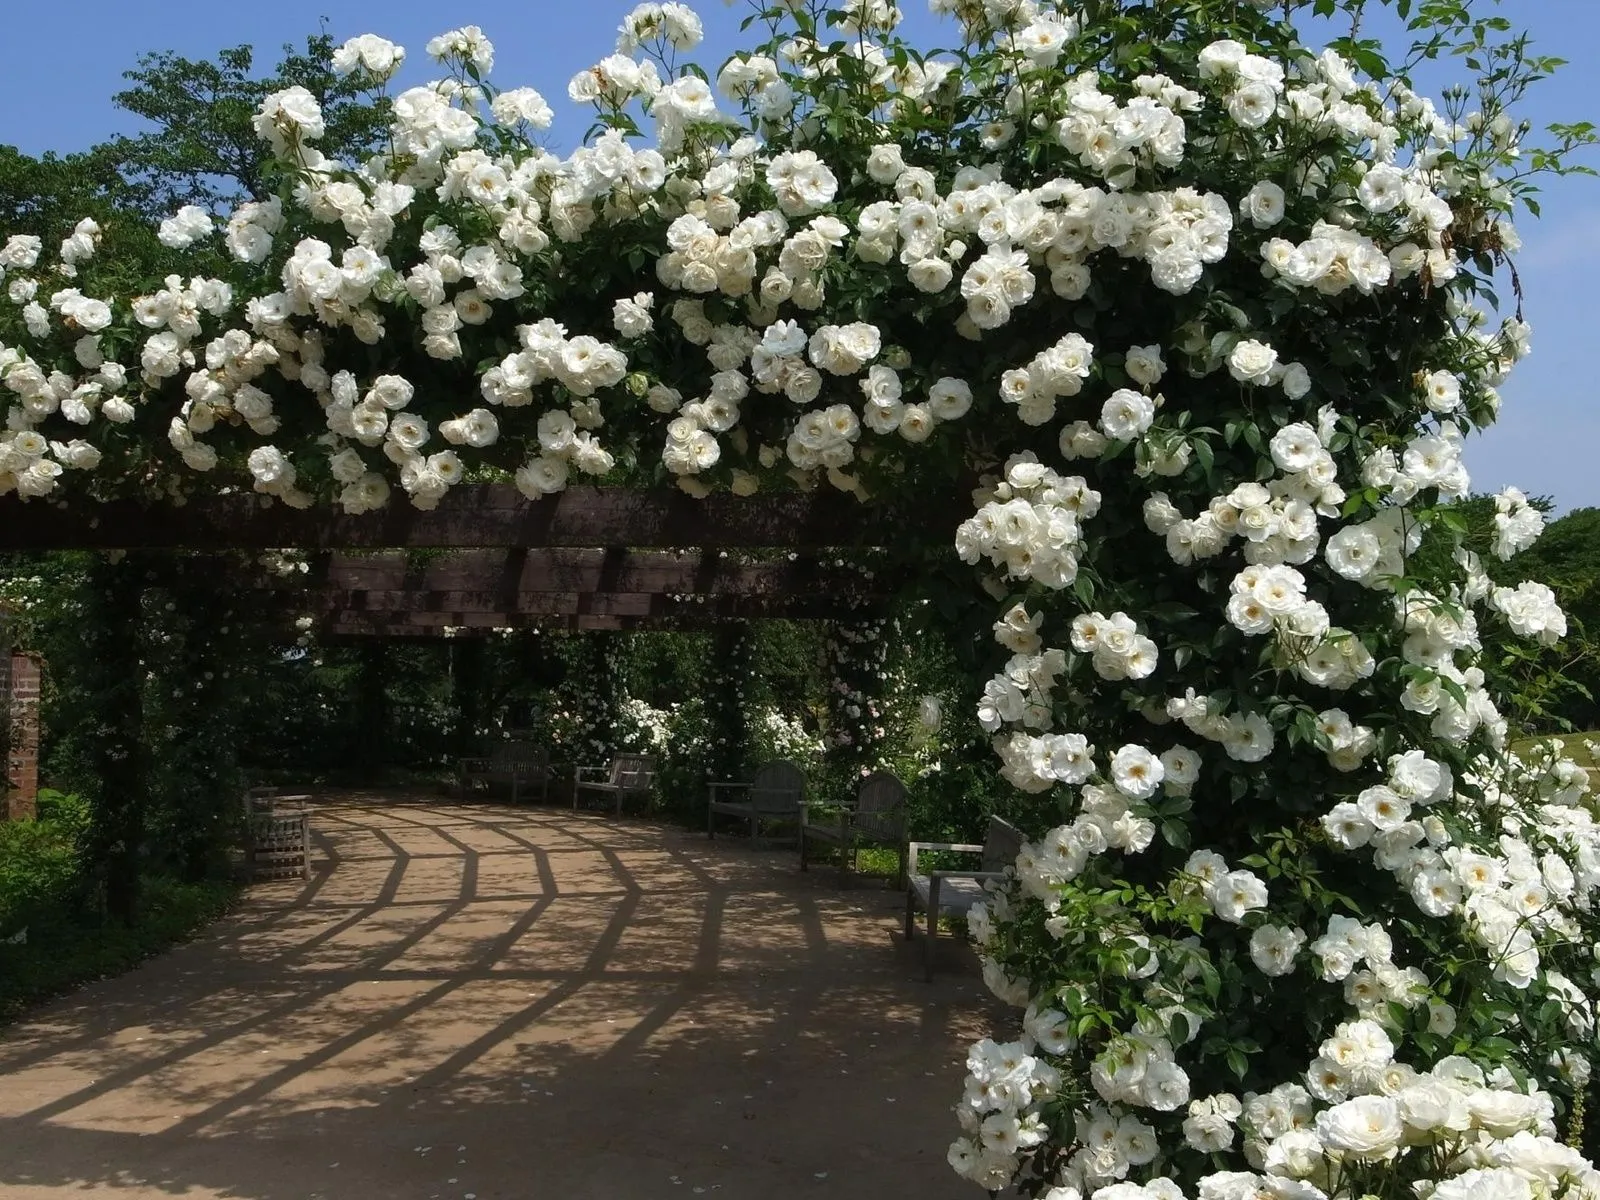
(361, 626)
(471, 515)
(509, 573)
(468, 608)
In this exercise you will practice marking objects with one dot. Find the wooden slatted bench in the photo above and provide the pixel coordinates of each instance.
(629, 775)
(878, 818)
(953, 893)
(519, 763)
(774, 794)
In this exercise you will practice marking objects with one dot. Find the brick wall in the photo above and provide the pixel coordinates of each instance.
(21, 708)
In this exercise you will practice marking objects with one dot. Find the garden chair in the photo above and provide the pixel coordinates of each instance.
(953, 893)
(627, 775)
(277, 835)
(877, 818)
(775, 793)
(519, 764)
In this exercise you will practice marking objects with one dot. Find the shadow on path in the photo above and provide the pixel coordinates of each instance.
(506, 1002)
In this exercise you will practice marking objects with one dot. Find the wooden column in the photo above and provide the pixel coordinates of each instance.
(113, 622)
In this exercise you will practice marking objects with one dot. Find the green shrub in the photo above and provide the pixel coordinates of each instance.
(72, 944)
(39, 861)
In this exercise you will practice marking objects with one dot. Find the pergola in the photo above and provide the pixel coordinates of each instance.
(487, 558)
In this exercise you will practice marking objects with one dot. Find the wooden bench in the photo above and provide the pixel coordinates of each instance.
(277, 839)
(953, 893)
(774, 794)
(877, 818)
(628, 775)
(520, 764)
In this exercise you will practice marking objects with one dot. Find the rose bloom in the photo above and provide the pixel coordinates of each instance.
(1252, 362)
(1366, 1127)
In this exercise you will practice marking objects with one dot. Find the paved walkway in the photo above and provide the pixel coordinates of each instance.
(468, 1002)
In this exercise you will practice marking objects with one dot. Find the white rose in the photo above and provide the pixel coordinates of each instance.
(1263, 204)
(1126, 415)
(1252, 362)
(1366, 1127)
(1237, 893)
(1273, 949)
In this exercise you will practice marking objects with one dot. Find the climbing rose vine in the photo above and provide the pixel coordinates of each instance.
(1204, 312)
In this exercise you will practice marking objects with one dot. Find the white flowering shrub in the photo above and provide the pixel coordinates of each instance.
(774, 734)
(728, 669)
(585, 719)
(853, 669)
(642, 727)
(1200, 308)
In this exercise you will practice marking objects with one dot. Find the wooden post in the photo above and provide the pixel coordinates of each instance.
(114, 675)
(467, 681)
(372, 707)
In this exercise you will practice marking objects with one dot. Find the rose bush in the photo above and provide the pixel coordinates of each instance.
(1203, 309)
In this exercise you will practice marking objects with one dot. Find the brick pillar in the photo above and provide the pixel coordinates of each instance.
(21, 709)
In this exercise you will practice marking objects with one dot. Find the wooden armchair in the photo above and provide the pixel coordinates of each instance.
(628, 775)
(952, 893)
(774, 794)
(277, 835)
(877, 818)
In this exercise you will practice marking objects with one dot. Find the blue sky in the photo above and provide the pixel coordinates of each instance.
(58, 97)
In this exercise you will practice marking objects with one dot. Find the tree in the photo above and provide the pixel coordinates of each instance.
(203, 149)
(1567, 557)
(47, 195)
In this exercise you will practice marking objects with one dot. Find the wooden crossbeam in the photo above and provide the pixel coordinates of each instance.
(469, 608)
(471, 515)
(506, 574)
(364, 626)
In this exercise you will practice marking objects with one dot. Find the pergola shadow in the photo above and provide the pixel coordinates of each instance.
(584, 1007)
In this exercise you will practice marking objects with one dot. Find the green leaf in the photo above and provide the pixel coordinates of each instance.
(1237, 1063)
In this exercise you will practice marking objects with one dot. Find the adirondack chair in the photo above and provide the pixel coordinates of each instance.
(877, 818)
(775, 794)
(952, 893)
(519, 763)
(627, 775)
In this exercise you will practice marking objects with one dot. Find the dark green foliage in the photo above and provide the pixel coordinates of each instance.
(53, 934)
(112, 671)
(1547, 689)
(203, 148)
(1567, 557)
(726, 682)
(38, 861)
(47, 195)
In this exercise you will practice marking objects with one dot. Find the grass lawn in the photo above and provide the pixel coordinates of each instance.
(1575, 747)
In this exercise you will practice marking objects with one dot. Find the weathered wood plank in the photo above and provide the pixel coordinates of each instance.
(508, 573)
(466, 608)
(366, 626)
(472, 515)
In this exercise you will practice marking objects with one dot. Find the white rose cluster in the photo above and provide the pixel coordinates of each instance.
(1231, 894)
(1115, 646)
(1031, 523)
(1517, 524)
(1004, 1082)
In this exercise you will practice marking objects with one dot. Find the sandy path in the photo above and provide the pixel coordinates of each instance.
(479, 1001)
